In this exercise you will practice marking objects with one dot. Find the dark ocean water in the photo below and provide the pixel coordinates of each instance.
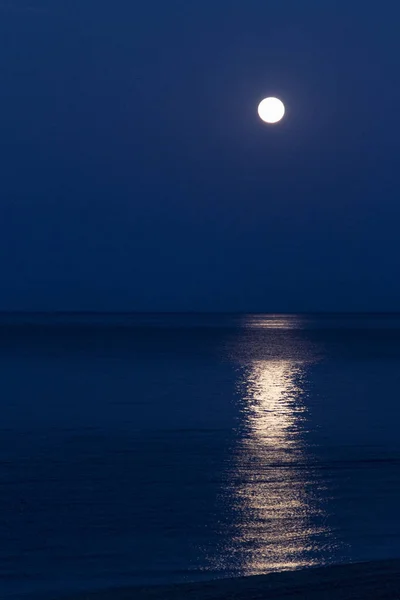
(152, 449)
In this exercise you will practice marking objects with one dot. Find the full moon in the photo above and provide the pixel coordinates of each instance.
(271, 110)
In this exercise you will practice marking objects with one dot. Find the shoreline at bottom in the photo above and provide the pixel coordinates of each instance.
(376, 580)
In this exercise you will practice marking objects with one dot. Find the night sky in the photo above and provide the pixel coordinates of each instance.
(137, 175)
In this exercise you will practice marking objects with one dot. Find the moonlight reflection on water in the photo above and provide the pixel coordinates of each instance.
(278, 523)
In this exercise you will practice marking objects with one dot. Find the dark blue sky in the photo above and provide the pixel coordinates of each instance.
(136, 174)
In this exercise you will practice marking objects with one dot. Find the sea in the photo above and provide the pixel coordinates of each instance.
(144, 449)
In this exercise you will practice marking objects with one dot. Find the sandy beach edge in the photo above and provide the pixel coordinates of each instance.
(378, 580)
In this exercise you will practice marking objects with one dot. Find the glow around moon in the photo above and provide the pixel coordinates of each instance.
(271, 110)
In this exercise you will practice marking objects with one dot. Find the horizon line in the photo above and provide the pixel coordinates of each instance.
(197, 312)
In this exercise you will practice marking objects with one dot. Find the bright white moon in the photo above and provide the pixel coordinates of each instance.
(271, 110)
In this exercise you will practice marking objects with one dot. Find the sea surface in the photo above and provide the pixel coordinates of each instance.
(150, 449)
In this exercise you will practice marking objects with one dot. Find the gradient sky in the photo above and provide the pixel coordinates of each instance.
(136, 174)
